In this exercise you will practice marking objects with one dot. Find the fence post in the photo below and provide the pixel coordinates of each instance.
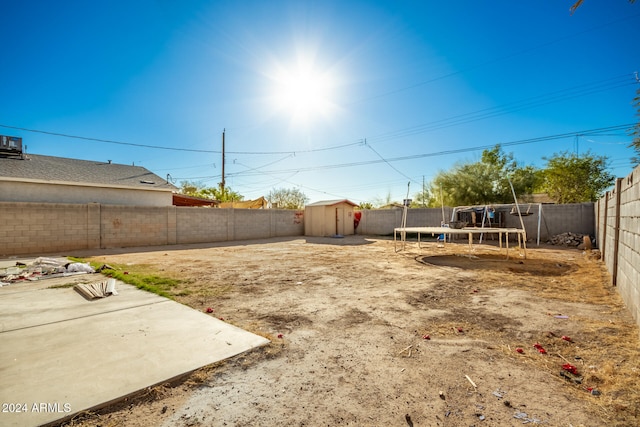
(616, 243)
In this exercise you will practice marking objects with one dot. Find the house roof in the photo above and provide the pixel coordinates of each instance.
(33, 167)
(332, 202)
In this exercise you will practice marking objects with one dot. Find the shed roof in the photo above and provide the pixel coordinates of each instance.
(332, 202)
(33, 167)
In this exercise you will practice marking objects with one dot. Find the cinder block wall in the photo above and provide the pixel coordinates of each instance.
(41, 228)
(555, 219)
(618, 237)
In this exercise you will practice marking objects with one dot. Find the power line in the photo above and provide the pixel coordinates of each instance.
(596, 131)
(564, 94)
(159, 147)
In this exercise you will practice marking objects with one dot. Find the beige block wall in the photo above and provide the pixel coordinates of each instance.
(618, 236)
(45, 228)
(42, 228)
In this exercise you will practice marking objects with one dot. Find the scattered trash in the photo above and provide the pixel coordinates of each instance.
(209, 310)
(560, 316)
(571, 377)
(499, 394)
(441, 394)
(593, 391)
(426, 337)
(481, 417)
(221, 318)
(525, 418)
(519, 350)
(460, 330)
(540, 349)
(280, 336)
(42, 268)
(472, 383)
(566, 338)
(92, 291)
(570, 368)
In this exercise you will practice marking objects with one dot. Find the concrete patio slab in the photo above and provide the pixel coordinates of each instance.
(61, 354)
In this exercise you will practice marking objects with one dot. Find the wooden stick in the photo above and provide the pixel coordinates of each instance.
(564, 358)
(472, 383)
(405, 349)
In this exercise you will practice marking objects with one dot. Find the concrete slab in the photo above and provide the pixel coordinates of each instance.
(61, 354)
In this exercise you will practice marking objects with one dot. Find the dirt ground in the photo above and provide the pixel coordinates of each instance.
(366, 336)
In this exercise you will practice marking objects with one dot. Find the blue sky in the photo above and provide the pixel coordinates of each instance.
(341, 99)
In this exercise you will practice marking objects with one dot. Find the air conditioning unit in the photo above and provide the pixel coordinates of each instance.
(10, 145)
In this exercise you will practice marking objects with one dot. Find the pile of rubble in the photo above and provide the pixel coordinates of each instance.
(42, 268)
(567, 239)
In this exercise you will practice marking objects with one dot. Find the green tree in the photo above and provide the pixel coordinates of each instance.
(365, 205)
(573, 178)
(485, 181)
(197, 189)
(287, 198)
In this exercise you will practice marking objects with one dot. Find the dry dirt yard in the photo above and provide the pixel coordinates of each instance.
(364, 336)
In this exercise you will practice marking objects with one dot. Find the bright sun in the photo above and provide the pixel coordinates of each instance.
(303, 92)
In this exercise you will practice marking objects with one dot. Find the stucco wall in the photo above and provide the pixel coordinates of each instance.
(38, 192)
(41, 228)
(618, 237)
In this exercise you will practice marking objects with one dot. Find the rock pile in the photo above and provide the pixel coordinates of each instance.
(567, 239)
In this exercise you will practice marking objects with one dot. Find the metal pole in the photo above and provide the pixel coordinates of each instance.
(222, 183)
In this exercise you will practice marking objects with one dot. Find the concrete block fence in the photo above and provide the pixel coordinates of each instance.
(41, 228)
(618, 237)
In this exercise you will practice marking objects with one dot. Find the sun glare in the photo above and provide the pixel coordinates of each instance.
(303, 92)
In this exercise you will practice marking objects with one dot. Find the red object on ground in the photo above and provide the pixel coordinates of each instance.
(460, 330)
(221, 318)
(209, 310)
(519, 350)
(566, 338)
(280, 336)
(540, 349)
(569, 367)
(426, 337)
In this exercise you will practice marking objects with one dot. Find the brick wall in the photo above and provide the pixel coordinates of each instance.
(618, 237)
(41, 228)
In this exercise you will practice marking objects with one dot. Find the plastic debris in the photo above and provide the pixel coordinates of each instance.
(426, 337)
(280, 336)
(570, 368)
(519, 350)
(566, 338)
(209, 310)
(540, 349)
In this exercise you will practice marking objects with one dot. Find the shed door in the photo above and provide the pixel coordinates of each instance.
(340, 221)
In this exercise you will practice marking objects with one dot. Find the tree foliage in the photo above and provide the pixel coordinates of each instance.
(196, 189)
(483, 182)
(287, 198)
(573, 178)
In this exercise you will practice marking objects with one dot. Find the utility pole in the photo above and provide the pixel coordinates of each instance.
(222, 183)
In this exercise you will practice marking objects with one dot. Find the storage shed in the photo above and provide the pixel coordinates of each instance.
(329, 218)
